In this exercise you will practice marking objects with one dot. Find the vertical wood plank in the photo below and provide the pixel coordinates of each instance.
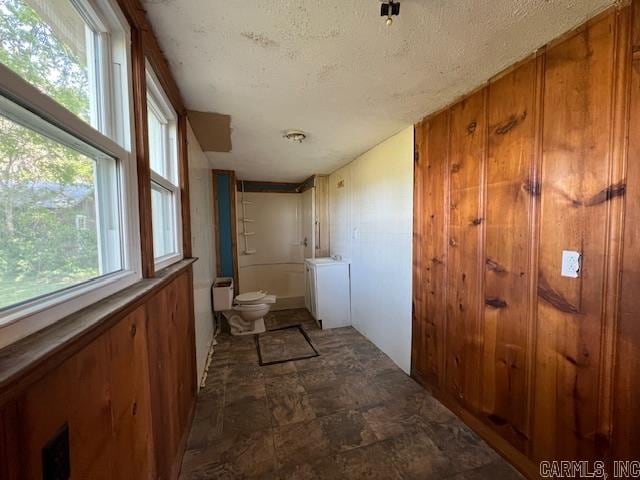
(626, 414)
(172, 371)
(576, 187)
(76, 393)
(419, 346)
(434, 252)
(464, 255)
(618, 143)
(183, 166)
(130, 402)
(511, 193)
(139, 81)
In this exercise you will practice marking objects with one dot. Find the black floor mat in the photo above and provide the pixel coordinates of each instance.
(284, 344)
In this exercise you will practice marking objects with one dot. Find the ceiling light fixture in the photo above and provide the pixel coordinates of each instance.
(389, 9)
(295, 136)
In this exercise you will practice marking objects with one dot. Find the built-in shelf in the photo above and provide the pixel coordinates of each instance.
(245, 221)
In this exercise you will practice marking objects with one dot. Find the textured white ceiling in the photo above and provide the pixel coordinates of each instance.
(335, 70)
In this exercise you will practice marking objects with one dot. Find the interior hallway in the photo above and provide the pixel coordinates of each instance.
(348, 413)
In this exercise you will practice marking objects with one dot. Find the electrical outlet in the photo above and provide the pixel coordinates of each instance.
(570, 264)
(56, 463)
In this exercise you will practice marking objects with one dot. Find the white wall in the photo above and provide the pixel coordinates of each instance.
(372, 224)
(277, 266)
(202, 241)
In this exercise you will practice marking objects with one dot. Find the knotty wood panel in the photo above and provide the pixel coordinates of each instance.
(77, 393)
(464, 254)
(172, 372)
(538, 163)
(433, 162)
(130, 403)
(575, 181)
(626, 414)
(511, 192)
(102, 391)
(419, 347)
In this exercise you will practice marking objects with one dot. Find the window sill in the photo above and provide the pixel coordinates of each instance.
(167, 261)
(26, 360)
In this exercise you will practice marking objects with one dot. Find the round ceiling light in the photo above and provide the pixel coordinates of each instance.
(295, 136)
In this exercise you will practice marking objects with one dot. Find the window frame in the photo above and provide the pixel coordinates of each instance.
(158, 101)
(116, 140)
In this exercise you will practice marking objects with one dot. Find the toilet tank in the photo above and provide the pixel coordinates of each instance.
(222, 293)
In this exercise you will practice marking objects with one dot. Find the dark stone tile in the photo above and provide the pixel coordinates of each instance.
(427, 407)
(244, 389)
(458, 443)
(300, 471)
(347, 430)
(290, 407)
(318, 379)
(234, 456)
(241, 372)
(376, 364)
(498, 470)
(370, 462)
(207, 421)
(301, 442)
(290, 383)
(331, 400)
(365, 392)
(389, 420)
(313, 363)
(245, 413)
(417, 456)
(371, 419)
(216, 380)
(278, 369)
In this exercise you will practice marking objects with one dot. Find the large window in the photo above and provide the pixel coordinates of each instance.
(67, 182)
(165, 189)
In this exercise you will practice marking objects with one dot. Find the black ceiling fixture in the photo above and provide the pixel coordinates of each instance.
(389, 9)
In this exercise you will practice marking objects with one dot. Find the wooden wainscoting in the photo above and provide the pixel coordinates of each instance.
(540, 160)
(127, 395)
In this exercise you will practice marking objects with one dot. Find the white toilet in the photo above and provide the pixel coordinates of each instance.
(247, 315)
(246, 312)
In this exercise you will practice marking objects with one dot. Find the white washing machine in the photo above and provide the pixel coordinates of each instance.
(328, 291)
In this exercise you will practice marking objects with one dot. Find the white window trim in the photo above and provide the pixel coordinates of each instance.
(163, 107)
(31, 316)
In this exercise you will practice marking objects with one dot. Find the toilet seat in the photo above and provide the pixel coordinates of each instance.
(250, 297)
(255, 298)
(248, 307)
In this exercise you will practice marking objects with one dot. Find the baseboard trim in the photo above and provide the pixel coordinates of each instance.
(515, 457)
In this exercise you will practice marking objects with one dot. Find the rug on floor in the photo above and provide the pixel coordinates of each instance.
(284, 344)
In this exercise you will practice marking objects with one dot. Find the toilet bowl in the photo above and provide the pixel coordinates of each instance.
(247, 315)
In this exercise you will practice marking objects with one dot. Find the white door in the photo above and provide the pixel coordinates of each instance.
(308, 216)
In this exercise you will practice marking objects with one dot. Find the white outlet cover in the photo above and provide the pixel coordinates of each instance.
(570, 264)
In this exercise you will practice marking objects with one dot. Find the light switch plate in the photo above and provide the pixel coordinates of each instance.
(570, 264)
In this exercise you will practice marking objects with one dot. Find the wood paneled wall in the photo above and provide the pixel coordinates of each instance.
(127, 397)
(542, 159)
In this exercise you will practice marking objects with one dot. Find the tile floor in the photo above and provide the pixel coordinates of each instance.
(350, 413)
